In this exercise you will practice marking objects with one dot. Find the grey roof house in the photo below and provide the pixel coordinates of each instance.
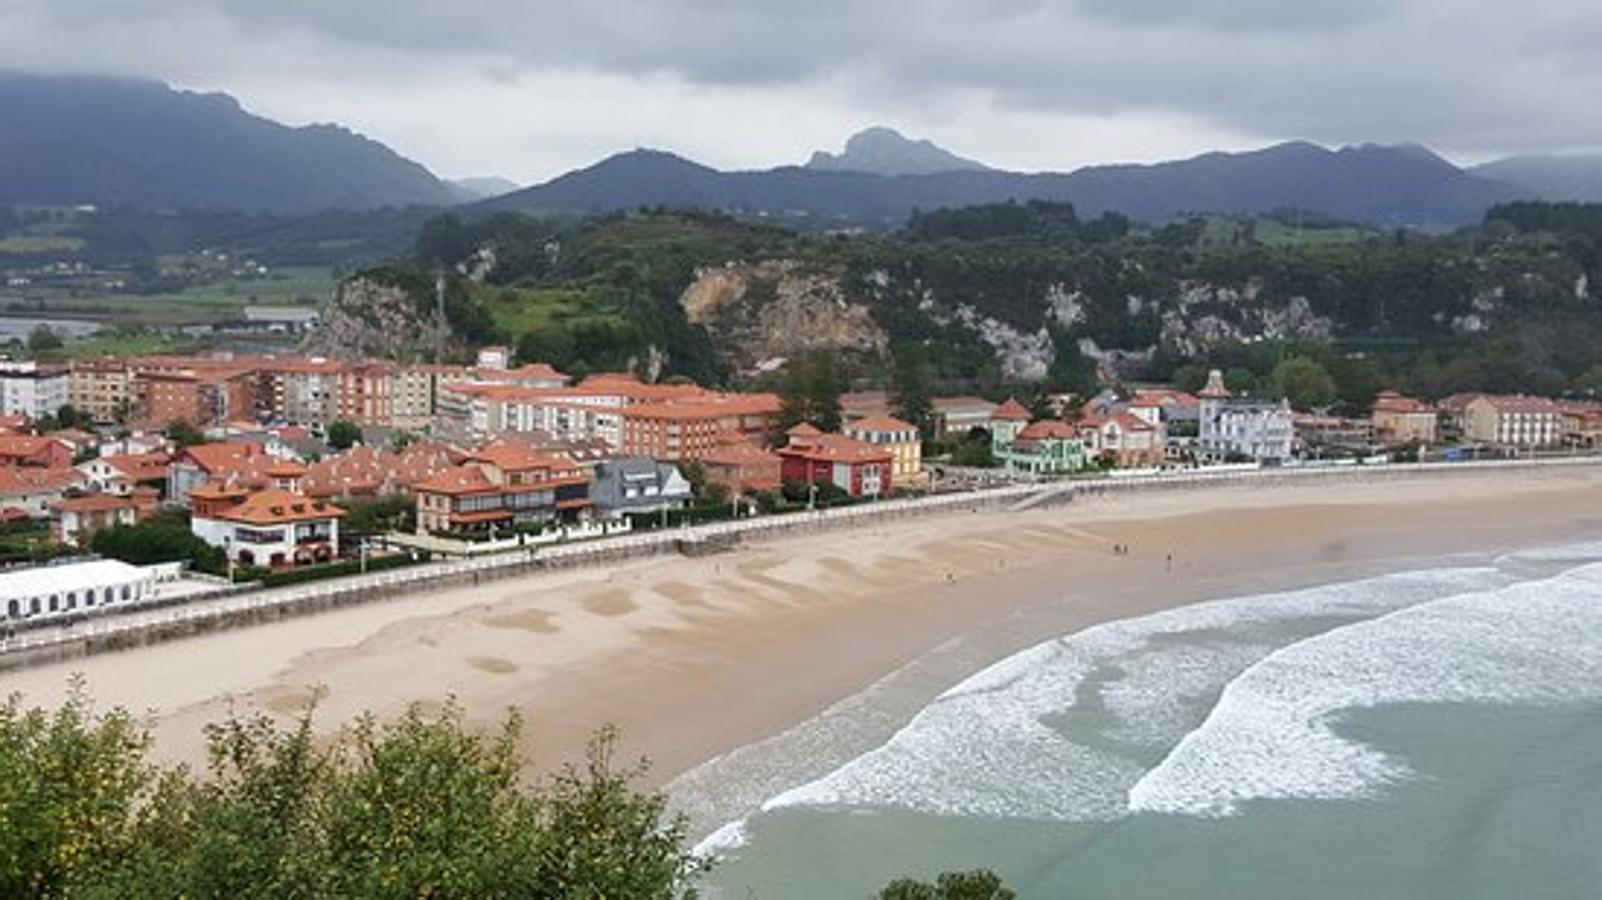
(637, 484)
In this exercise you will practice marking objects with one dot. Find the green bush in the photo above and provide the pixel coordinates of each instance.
(336, 570)
(420, 807)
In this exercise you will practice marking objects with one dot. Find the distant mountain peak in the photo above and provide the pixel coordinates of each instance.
(885, 151)
(484, 187)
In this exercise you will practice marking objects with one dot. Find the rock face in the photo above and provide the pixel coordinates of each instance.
(758, 314)
(367, 319)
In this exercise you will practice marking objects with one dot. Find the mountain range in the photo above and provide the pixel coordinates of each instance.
(121, 142)
(1391, 186)
(143, 145)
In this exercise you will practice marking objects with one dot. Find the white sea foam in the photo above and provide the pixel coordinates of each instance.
(987, 746)
(730, 837)
(1272, 733)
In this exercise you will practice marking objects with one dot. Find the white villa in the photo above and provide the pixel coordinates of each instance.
(1261, 430)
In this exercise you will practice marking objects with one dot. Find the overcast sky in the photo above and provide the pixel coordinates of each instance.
(527, 88)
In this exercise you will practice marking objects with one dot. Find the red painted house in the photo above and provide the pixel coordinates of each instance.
(856, 467)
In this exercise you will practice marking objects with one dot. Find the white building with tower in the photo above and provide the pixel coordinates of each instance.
(1234, 428)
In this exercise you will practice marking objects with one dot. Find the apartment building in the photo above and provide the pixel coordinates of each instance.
(101, 389)
(680, 431)
(31, 389)
(1514, 421)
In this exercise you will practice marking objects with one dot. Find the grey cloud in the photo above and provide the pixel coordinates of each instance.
(1461, 74)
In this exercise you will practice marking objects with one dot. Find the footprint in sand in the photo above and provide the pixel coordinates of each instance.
(610, 603)
(492, 664)
(537, 620)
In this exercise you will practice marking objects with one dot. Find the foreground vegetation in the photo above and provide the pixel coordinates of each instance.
(421, 807)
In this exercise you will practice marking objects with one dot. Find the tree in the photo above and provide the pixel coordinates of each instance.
(810, 391)
(42, 339)
(184, 434)
(419, 807)
(343, 435)
(1304, 382)
(981, 884)
(910, 399)
(161, 539)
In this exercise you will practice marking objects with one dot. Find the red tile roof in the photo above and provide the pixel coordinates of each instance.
(273, 507)
(1391, 401)
(218, 458)
(880, 423)
(838, 448)
(93, 503)
(31, 481)
(1011, 411)
(1047, 429)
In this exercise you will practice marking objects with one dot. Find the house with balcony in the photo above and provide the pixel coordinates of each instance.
(1514, 421)
(1047, 447)
(1122, 439)
(275, 527)
(502, 486)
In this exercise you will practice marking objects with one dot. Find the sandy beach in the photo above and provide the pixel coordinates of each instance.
(694, 657)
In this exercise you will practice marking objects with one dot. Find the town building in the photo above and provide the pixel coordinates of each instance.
(1007, 420)
(1322, 434)
(34, 451)
(74, 520)
(277, 527)
(31, 389)
(1233, 428)
(1047, 447)
(900, 438)
(1582, 424)
(960, 415)
(741, 467)
(1451, 415)
(1513, 421)
(677, 431)
(1399, 421)
(101, 389)
(1122, 439)
(119, 475)
(857, 468)
(502, 487)
(26, 491)
(202, 463)
(638, 485)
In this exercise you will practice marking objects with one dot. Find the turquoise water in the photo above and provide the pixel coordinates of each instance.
(1431, 734)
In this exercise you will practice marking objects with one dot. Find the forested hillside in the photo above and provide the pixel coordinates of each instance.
(1009, 295)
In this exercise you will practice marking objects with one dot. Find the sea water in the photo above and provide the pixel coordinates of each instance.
(1429, 734)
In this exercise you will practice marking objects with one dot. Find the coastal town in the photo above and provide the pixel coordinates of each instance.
(280, 469)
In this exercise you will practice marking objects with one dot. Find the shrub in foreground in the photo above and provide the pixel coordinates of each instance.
(421, 807)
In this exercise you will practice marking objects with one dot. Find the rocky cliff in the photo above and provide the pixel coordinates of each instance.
(760, 314)
(370, 318)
